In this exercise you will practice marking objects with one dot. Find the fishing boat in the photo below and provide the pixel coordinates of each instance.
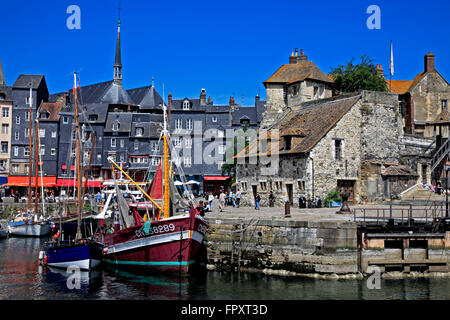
(162, 240)
(83, 252)
(29, 223)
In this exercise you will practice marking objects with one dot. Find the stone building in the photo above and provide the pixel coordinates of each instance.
(292, 84)
(422, 99)
(5, 122)
(350, 143)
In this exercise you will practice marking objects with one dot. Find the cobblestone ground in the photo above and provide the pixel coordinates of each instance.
(327, 214)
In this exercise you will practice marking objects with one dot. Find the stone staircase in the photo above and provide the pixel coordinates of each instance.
(420, 196)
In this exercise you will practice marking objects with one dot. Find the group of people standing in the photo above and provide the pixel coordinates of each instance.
(225, 199)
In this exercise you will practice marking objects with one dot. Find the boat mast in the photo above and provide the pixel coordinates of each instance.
(36, 168)
(166, 165)
(79, 209)
(30, 152)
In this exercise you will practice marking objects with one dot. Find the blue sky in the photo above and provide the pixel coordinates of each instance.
(227, 47)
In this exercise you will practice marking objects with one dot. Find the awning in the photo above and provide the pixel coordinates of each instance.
(22, 181)
(71, 183)
(3, 180)
(215, 178)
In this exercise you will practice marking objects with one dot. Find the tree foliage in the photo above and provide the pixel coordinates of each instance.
(356, 77)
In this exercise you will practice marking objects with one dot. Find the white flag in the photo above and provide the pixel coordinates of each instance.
(391, 66)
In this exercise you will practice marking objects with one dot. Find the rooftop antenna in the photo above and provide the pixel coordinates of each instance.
(119, 9)
(153, 82)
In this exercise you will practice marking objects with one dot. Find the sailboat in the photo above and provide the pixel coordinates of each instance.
(28, 223)
(164, 242)
(85, 253)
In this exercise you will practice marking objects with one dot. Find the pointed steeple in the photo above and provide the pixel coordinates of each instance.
(118, 61)
(2, 76)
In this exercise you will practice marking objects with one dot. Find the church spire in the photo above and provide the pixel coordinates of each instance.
(2, 76)
(118, 60)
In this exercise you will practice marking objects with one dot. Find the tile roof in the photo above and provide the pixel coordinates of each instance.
(398, 170)
(52, 108)
(289, 73)
(399, 86)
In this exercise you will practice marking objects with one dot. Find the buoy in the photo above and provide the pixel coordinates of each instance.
(41, 255)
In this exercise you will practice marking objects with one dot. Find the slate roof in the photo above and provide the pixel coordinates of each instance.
(98, 109)
(124, 119)
(250, 113)
(217, 109)
(177, 105)
(24, 80)
(290, 73)
(311, 123)
(104, 92)
(146, 97)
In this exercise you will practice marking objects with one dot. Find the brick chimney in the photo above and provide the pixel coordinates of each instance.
(429, 62)
(295, 58)
(231, 101)
(203, 97)
(380, 70)
(302, 58)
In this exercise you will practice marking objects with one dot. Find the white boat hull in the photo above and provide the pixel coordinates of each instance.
(86, 264)
(30, 230)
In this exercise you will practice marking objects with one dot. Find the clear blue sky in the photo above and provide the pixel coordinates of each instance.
(227, 47)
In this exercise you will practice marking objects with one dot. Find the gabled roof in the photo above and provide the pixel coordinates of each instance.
(290, 73)
(124, 118)
(24, 81)
(52, 109)
(398, 170)
(310, 124)
(104, 92)
(399, 86)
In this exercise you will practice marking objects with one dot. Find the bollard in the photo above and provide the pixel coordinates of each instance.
(287, 209)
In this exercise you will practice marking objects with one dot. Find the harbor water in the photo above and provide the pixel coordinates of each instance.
(21, 277)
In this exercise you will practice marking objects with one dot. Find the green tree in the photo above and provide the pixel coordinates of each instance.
(356, 77)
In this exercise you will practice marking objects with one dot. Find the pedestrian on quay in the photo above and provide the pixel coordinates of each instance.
(222, 198)
(210, 200)
(233, 198)
(238, 198)
(271, 199)
(257, 200)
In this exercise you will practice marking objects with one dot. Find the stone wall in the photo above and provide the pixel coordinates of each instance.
(289, 245)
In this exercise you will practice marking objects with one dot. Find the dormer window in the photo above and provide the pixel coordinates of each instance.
(214, 119)
(116, 126)
(93, 117)
(287, 142)
(186, 105)
(139, 132)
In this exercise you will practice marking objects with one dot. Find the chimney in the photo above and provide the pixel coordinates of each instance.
(203, 97)
(292, 58)
(231, 101)
(257, 98)
(302, 58)
(380, 70)
(429, 62)
(210, 100)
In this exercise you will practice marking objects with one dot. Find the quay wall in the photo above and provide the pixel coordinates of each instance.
(322, 248)
(267, 244)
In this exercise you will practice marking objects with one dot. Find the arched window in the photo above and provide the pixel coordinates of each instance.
(116, 126)
(186, 105)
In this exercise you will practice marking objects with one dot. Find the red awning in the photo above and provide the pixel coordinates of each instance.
(22, 181)
(215, 178)
(71, 183)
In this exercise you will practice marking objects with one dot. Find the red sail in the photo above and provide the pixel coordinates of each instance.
(156, 189)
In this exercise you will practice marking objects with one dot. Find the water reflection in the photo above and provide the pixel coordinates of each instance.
(21, 277)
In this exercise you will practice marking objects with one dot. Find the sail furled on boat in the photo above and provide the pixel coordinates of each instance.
(126, 217)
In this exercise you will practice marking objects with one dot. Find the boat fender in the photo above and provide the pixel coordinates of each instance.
(105, 250)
